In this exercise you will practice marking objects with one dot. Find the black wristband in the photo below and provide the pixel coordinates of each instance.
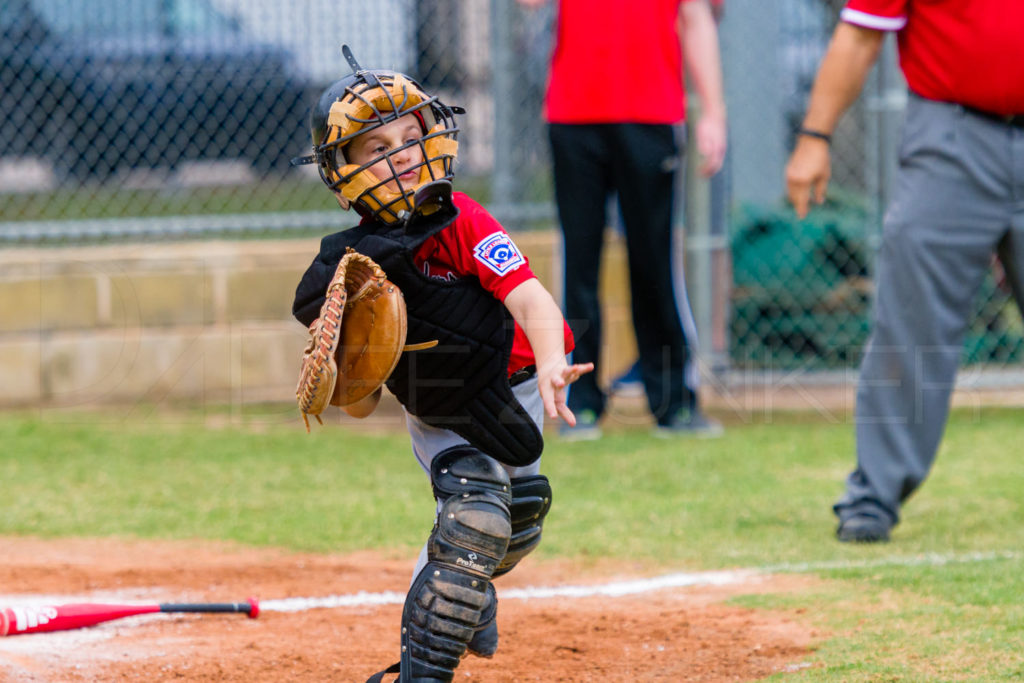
(815, 134)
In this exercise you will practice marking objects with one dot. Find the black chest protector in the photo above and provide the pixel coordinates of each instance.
(461, 384)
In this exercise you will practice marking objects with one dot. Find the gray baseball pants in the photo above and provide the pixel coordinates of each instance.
(959, 199)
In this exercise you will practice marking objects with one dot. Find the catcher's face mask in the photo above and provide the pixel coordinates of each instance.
(383, 182)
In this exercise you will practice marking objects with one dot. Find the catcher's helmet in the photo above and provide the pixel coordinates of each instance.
(365, 100)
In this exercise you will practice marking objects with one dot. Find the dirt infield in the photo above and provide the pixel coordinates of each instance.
(678, 634)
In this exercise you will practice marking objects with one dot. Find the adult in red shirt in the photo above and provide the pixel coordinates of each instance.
(615, 106)
(957, 203)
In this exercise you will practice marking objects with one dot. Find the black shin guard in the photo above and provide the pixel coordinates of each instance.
(484, 642)
(449, 596)
(531, 500)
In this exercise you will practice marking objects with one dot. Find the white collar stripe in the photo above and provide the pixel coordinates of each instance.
(858, 18)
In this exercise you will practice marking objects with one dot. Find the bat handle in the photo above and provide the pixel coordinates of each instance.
(251, 607)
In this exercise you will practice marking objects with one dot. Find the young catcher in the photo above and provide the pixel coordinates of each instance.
(481, 360)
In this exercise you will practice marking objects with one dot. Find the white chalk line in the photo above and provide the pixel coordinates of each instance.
(638, 586)
(49, 643)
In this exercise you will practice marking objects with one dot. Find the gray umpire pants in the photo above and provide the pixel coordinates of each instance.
(959, 198)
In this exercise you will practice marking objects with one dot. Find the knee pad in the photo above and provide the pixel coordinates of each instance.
(449, 596)
(464, 469)
(531, 500)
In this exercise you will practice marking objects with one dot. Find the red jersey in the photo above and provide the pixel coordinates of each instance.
(476, 245)
(970, 52)
(617, 61)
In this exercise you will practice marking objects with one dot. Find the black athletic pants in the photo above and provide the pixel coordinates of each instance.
(638, 163)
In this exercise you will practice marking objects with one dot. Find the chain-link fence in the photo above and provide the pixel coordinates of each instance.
(125, 119)
(802, 290)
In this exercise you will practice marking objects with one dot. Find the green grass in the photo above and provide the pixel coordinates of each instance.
(114, 200)
(180, 480)
(758, 497)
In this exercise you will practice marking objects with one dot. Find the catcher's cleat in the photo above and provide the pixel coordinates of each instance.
(379, 676)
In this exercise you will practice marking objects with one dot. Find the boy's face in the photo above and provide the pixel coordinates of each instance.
(375, 143)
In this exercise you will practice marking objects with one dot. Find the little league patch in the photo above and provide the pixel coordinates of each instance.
(498, 252)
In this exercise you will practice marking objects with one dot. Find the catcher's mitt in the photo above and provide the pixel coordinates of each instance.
(355, 343)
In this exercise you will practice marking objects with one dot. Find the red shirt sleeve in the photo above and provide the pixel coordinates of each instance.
(476, 245)
(881, 15)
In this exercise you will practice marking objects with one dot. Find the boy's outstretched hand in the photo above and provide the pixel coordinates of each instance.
(537, 313)
(553, 382)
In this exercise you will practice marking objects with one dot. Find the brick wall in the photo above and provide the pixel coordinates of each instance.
(199, 322)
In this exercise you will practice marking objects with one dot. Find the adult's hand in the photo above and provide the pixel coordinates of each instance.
(711, 136)
(807, 173)
(850, 56)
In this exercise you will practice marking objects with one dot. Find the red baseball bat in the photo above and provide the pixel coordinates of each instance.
(38, 618)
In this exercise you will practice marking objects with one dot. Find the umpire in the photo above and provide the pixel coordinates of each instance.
(959, 199)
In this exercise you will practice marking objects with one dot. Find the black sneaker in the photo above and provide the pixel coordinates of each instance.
(863, 528)
(629, 383)
(689, 423)
(586, 428)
